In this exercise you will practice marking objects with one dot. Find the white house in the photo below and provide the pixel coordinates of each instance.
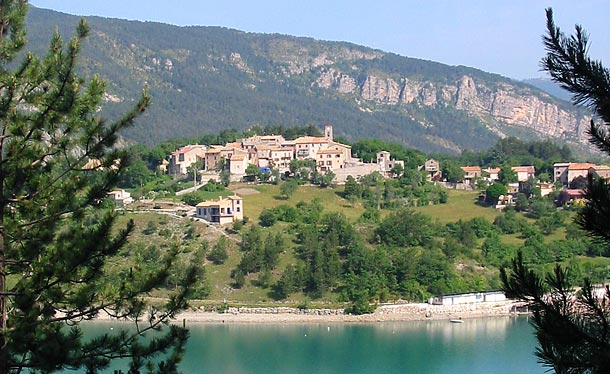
(121, 197)
(467, 298)
(222, 211)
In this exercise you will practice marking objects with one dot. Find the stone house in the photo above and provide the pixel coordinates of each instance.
(576, 170)
(524, 173)
(560, 172)
(308, 146)
(329, 159)
(184, 157)
(566, 172)
(281, 157)
(601, 171)
(546, 188)
(386, 163)
(238, 162)
(471, 173)
(432, 168)
(491, 175)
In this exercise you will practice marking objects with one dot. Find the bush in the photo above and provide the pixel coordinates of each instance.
(237, 226)
(218, 255)
(267, 218)
(286, 213)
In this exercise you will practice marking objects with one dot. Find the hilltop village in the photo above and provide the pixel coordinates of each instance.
(267, 152)
(271, 156)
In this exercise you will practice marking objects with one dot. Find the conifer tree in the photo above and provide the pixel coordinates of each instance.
(58, 161)
(573, 329)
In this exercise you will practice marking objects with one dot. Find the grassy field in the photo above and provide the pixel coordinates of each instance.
(461, 205)
(260, 197)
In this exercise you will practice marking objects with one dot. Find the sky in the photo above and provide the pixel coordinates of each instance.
(497, 36)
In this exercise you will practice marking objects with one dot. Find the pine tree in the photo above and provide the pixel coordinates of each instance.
(58, 161)
(573, 330)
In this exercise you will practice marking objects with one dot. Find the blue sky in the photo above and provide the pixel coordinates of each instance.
(498, 36)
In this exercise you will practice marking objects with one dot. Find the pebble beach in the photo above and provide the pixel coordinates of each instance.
(384, 313)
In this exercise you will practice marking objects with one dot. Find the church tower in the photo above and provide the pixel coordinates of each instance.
(328, 132)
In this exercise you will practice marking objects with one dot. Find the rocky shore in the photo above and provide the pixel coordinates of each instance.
(384, 313)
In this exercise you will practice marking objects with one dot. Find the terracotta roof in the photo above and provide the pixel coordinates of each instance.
(580, 166)
(188, 148)
(471, 168)
(492, 170)
(344, 145)
(233, 145)
(220, 201)
(601, 167)
(311, 139)
(526, 169)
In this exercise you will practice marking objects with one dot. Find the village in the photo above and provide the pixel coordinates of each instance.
(264, 153)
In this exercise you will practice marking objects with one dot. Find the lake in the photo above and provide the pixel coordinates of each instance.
(484, 345)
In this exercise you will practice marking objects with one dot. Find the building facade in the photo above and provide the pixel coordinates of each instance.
(222, 211)
(184, 157)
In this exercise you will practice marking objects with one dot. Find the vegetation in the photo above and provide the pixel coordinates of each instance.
(572, 328)
(58, 240)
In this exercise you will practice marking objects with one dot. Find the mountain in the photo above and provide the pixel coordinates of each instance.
(550, 87)
(206, 79)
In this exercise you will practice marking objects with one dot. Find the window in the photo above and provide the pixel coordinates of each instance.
(238, 202)
(181, 157)
(329, 162)
(238, 209)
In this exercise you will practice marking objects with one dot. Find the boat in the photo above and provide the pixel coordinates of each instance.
(456, 320)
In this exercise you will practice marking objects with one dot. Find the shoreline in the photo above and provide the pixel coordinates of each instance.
(385, 313)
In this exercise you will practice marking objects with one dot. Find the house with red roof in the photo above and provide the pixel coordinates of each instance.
(184, 157)
(471, 173)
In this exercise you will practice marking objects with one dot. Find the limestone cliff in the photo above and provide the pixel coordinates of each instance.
(500, 108)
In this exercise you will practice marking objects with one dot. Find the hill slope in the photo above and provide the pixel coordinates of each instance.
(205, 79)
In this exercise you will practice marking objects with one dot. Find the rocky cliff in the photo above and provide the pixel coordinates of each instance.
(502, 107)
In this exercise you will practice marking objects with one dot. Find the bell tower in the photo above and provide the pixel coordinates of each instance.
(328, 132)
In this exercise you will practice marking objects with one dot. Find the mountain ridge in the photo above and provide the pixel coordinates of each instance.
(207, 78)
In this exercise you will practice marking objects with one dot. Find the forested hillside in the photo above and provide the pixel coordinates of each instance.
(205, 79)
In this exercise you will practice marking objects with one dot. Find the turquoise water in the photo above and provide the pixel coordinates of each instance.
(489, 345)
